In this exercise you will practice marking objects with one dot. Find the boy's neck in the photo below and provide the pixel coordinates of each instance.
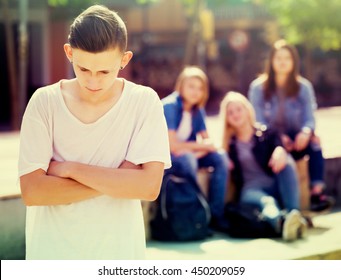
(89, 110)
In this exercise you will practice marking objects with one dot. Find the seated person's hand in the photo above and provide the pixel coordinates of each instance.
(301, 141)
(209, 145)
(278, 159)
(287, 142)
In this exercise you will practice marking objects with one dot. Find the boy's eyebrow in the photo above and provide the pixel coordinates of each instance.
(106, 70)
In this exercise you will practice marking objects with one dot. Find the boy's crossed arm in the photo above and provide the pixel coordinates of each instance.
(68, 182)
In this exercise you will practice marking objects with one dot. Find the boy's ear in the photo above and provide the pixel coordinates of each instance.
(68, 51)
(126, 58)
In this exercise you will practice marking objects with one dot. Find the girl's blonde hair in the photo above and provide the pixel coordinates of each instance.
(193, 72)
(228, 130)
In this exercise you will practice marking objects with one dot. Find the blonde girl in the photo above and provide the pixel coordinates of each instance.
(263, 173)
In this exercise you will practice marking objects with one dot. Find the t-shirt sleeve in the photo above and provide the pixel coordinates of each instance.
(35, 137)
(150, 138)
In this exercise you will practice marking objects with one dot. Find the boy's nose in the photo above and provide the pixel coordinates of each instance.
(93, 83)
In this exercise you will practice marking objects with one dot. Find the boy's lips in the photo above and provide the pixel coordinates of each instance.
(93, 90)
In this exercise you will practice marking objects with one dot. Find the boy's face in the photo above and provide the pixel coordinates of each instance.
(96, 72)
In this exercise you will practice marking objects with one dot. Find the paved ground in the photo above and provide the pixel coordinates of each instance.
(323, 242)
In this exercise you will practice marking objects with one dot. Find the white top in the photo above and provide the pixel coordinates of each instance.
(134, 129)
(185, 127)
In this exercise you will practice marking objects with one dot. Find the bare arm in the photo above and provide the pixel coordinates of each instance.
(177, 146)
(39, 188)
(141, 183)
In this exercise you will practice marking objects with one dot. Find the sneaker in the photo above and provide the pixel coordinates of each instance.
(303, 229)
(308, 221)
(292, 226)
(321, 202)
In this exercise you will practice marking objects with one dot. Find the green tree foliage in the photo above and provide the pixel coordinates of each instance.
(64, 9)
(70, 3)
(67, 9)
(146, 2)
(313, 23)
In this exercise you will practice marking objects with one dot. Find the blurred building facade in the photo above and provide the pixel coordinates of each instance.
(233, 55)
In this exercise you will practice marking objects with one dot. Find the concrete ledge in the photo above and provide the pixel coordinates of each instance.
(12, 224)
(333, 178)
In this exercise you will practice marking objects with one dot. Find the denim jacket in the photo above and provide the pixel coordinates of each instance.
(173, 107)
(298, 111)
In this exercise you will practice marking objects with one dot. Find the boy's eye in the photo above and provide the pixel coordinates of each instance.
(105, 72)
(83, 69)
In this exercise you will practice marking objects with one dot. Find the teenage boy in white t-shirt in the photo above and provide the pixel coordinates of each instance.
(91, 148)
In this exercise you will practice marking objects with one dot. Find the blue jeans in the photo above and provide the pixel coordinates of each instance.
(315, 163)
(282, 194)
(188, 165)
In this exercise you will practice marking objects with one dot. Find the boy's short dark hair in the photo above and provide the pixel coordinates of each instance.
(98, 29)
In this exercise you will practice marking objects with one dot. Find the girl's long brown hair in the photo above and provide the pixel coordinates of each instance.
(292, 85)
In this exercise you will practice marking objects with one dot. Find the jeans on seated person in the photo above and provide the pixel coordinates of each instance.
(316, 160)
(319, 201)
(282, 194)
(188, 165)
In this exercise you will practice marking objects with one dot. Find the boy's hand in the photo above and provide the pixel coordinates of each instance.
(129, 165)
(58, 169)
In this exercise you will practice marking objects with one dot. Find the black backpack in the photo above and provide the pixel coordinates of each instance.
(182, 213)
(246, 221)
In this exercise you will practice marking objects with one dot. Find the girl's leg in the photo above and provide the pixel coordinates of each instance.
(218, 181)
(319, 200)
(185, 165)
(294, 225)
(288, 189)
(267, 204)
(316, 163)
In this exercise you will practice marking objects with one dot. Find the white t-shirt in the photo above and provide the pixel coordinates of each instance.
(185, 127)
(134, 129)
